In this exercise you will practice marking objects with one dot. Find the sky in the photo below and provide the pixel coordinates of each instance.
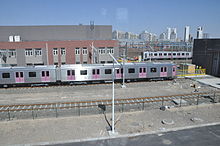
(125, 15)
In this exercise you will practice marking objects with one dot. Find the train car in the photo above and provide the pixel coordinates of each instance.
(78, 73)
(167, 55)
(103, 72)
(12, 76)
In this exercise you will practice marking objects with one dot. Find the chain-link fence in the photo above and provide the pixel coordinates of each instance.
(35, 111)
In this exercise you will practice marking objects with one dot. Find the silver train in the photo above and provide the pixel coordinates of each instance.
(167, 55)
(83, 73)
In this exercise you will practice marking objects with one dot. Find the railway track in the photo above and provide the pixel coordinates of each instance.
(96, 103)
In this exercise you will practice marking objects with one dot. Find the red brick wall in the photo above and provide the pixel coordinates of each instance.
(69, 45)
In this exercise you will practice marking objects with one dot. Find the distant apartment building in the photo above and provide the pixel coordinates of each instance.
(117, 35)
(186, 34)
(47, 45)
(199, 33)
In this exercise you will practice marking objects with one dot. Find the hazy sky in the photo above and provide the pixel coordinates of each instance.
(126, 15)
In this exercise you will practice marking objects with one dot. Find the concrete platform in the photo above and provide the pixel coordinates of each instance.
(211, 81)
(92, 128)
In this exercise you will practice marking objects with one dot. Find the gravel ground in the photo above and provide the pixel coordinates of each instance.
(98, 91)
(73, 128)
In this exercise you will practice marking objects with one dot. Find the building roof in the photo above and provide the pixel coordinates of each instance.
(57, 32)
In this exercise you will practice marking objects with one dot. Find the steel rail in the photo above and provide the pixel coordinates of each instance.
(94, 103)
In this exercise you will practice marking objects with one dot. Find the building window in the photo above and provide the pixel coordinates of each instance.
(77, 51)
(63, 51)
(12, 53)
(101, 50)
(85, 62)
(84, 51)
(55, 51)
(110, 50)
(5, 75)
(28, 52)
(77, 62)
(38, 52)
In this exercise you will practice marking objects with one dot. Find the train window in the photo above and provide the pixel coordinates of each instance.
(43, 74)
(117, 71)
(178, 54)
(131, 70)
(83, 72)
(155, 54)
(144, 71)
(97, 71)
(160, 54)
(169, 54)
(17, 74)
(47, 73)
(161, 69)
(153, 69)
(5, 75)
(140, 70)
(73, 72)
(93, 71)
(183, 54)
(108, 71)
(165, 54)
(32, 74)
(187, 54)
(122, 70)
(68, 72)
(174, 54)
(174, 69)
(165, 69)
(21, 74)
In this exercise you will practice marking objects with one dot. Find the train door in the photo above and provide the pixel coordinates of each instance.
(70, 75)
(163, 71)
(142, 72)
(119, 72)
(95, 73)
(45, 76)
(19, 77)
(174, 71)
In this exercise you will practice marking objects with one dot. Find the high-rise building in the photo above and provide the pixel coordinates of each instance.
(173, 35)
(199, 33)
(186, 34)
(162, 36)
(168, 33)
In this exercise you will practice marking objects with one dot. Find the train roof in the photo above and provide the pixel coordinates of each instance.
(30, 67)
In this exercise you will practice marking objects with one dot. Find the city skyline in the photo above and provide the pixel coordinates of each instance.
(153, 16)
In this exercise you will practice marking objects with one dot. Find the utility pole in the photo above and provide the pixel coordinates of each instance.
(123, 76)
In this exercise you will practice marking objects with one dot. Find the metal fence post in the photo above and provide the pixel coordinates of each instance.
(56, 110)
(122, 107)
(9, 116)
(214, 97)
(143, 105)
(79, 109)
(181, 101)
(33, 112)
(197, 100)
